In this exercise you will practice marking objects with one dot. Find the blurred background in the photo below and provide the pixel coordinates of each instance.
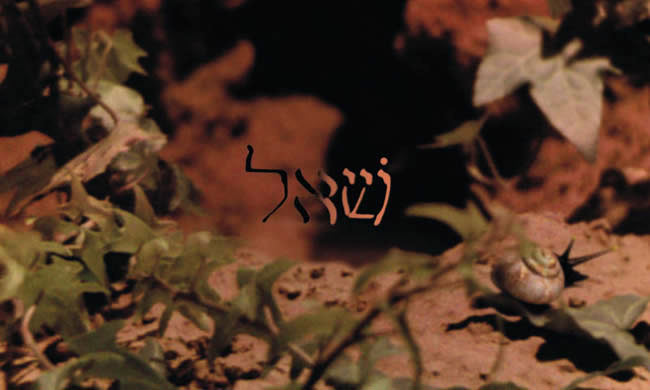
(340, 84)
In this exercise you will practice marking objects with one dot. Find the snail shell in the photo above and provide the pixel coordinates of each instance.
(535, 277)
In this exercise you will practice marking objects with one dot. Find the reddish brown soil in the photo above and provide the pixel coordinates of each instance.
(459, 343)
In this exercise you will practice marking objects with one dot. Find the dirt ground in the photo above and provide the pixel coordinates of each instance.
(371, 94)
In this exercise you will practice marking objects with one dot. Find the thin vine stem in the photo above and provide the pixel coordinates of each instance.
(332, 351)
(490, 161)
(29, 341)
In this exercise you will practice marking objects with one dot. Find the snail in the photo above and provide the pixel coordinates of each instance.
(534, 274)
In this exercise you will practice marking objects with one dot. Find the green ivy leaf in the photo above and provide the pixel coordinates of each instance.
(513, 58)
(110, 57)
(571, 98)
(464, 134)
(60, 289)
(469, 223)
(607, 321)
(568, 91)
(98, 340)
(622, 365)
(320, 324)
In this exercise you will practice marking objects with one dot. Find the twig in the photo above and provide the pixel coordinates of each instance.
(29, 341)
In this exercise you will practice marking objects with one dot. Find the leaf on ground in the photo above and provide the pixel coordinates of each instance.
(607, 321)
(469, 223)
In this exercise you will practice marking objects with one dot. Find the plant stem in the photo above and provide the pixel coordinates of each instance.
(490, 161)
(29, 341)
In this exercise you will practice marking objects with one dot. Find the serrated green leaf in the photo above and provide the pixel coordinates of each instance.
(59, 287)
(126, 56)
(132, 232)
(99, 340)
(148, 256)
(93, 249)
(143, 208)
(107, 57)
(464, 134)
(56, 229)
(469, 223)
